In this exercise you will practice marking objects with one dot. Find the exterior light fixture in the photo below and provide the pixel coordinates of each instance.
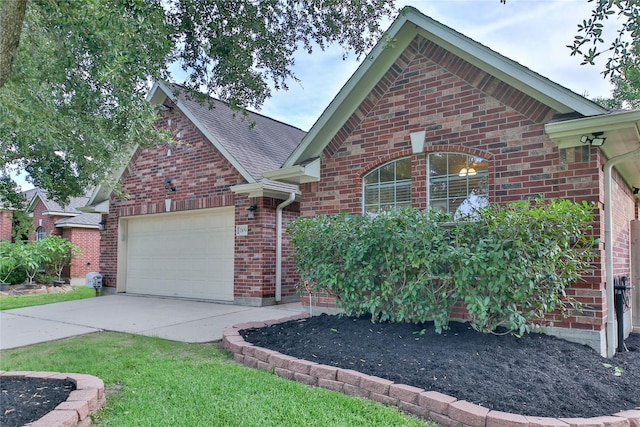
(251, 211)
(102, 225)
(595, 139)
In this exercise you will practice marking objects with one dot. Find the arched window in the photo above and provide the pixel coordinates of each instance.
(458, 183)
(40, 233)
(388, 186)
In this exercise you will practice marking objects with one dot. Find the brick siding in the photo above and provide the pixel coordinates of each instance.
(466, 110)
(202, 177)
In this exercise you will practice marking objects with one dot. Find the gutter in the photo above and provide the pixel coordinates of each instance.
(611, 328)
(281, 206)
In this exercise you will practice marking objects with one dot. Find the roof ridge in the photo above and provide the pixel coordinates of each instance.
(225, 103)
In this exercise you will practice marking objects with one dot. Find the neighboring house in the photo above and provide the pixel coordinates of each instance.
(82, 229)
(438, 120)
(198, 219)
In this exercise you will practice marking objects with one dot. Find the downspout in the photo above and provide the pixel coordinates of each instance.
(281, 206)
(611, 328)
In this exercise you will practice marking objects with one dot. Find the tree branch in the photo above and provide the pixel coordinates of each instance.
(11, 20)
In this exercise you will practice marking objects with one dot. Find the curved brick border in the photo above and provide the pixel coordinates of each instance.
(438, 407)
(86, 399)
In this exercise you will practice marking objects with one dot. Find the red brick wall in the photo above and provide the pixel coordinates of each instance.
(463, 109)
(88, 240)
(6, 225)
(255, 254)
(202, 177)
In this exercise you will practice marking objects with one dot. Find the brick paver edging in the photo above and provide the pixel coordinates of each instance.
(85, 400)
(441, 408)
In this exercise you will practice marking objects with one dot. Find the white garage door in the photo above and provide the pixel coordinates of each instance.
(182, 254)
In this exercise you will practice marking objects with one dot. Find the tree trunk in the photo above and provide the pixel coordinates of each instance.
(11, 20)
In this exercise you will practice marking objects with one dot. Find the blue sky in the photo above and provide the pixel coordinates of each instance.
(532, 32)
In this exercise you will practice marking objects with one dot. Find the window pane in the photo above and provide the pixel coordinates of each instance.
(458, 183)
(438, 164)
(388, 186)
(403, 169)
(372, 177)
(387, 172)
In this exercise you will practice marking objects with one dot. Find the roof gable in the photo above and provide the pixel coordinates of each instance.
(52, 207)
(252, 144)
(401, 34)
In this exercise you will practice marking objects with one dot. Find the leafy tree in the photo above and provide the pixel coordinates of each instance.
(72, 91)
(59, 252)
(623, 51)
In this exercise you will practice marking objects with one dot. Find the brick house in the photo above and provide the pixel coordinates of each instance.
(80, 228)
(438, 120)
(196, 219)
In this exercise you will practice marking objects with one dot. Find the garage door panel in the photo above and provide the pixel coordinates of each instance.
(183, 254)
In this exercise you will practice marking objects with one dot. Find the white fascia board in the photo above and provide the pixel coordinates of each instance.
(349, 98)
(271, 189)
(54, 213)
(559, 132)
(101, 208)
(296, 174)
(95, 227)
(246, 175)
(403, 30)
(533, 84)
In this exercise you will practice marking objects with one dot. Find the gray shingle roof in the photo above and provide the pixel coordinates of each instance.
(51, 206)
(82, 220)
(75, 218)
(258, 143)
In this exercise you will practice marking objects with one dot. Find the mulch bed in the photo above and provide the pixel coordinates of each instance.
(24, 400)
(536, 375)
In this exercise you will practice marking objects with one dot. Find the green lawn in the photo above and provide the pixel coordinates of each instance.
(155, 382)
(19, 301)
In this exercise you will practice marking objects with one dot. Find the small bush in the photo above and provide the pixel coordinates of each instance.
(509, 265)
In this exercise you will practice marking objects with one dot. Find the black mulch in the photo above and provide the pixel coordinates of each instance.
(536, 375)
(24, 400)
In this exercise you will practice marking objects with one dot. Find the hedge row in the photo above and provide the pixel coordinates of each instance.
(508, 265)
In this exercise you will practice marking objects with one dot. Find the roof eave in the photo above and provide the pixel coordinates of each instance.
(622, 135)
(410, 23)
(275, 190)
(296, 174)
(201, 127)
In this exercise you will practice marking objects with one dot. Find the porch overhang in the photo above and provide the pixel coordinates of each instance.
(267, 188)
(621, 131)
(308, 171)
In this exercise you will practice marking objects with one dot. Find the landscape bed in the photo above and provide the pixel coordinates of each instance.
(536, 375)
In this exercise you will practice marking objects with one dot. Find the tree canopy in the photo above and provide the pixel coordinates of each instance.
(74, 73)
(72, 91)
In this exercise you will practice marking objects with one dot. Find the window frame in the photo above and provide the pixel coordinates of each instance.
(386, 184)
(451, 176)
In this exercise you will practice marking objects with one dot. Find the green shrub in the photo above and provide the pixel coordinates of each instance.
(508, 266)
(515, 261)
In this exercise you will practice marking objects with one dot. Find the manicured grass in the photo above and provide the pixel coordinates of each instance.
(19, 301)
(155, 382)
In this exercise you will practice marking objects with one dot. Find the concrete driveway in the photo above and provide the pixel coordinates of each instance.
(173, 319)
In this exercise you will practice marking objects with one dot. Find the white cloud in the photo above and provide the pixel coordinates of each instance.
(534, 33)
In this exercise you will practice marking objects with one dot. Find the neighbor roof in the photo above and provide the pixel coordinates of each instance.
(409, 24)
(72, 216)
(54, 208)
